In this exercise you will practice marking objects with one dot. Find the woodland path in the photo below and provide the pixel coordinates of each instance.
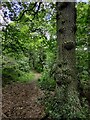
(20, 100)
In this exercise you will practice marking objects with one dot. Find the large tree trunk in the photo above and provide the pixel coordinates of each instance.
(65, 73)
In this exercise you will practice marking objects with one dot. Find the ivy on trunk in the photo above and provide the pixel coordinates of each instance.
(65, 73)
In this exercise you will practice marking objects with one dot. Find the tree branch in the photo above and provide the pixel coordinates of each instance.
(38, 8)
(26, 11)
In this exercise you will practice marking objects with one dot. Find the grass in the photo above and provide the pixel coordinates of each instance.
(18, 77)
(26, 77)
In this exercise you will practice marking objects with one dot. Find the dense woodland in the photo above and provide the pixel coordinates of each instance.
(48, 43)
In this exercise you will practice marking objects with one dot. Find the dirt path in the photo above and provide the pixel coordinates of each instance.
(20, 100)
(37, 76)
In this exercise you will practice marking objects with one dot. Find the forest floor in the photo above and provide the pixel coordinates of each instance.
(20, 100)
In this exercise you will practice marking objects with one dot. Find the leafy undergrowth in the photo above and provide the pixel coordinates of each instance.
(24, 77)
(28, 77)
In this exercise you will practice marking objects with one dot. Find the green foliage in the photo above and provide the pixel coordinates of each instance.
(26, 77)
(9, 75)
(58, 110)
(82, 43)
(52, 103)
(27, 39)
(9, 70)
(26, 47)
(16, 70)
(47, 81)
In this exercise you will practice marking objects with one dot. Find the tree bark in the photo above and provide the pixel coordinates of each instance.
(65, 73)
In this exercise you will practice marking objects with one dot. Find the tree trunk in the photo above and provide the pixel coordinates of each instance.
(65, 73)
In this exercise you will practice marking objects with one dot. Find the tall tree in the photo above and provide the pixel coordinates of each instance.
(65, 72)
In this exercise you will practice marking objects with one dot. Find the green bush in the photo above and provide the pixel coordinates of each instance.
(59, 111)
(14, 70)
(26, 77)
(9, 75)
(46, 82)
